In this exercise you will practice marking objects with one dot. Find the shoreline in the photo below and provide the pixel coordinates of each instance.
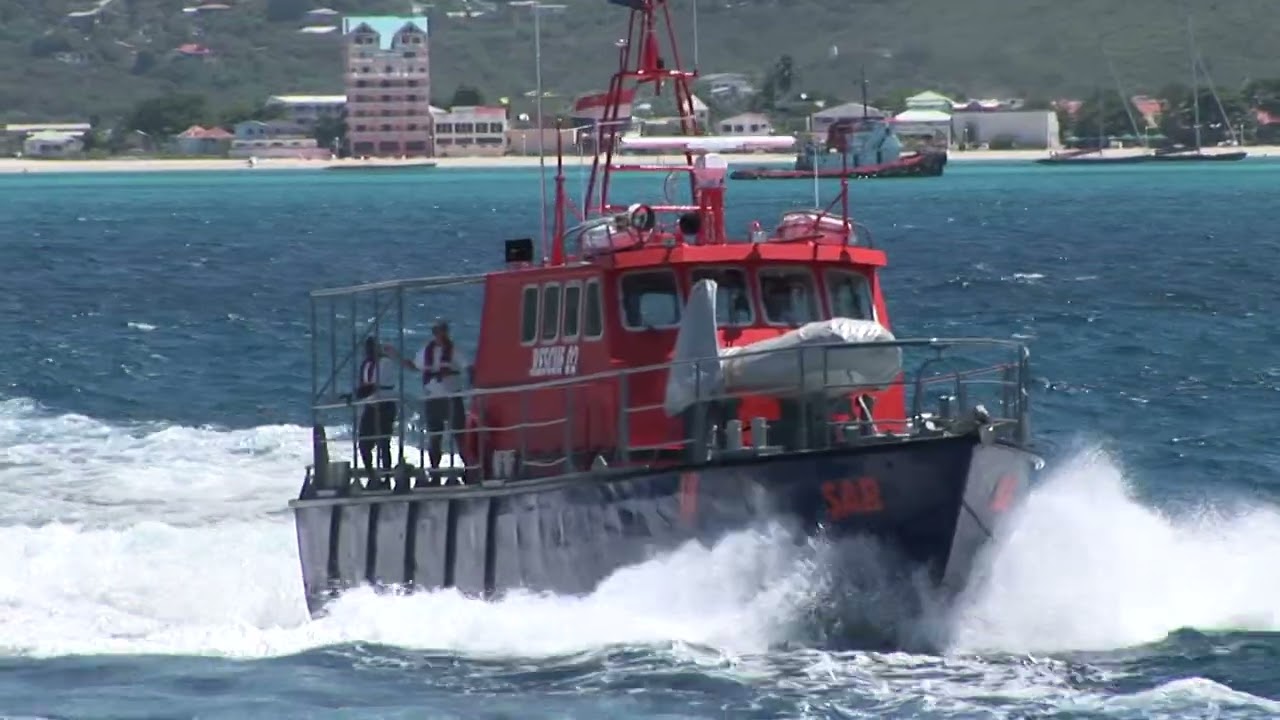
(12, 166)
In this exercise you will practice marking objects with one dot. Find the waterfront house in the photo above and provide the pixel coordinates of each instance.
(746, 124)
(197, 140)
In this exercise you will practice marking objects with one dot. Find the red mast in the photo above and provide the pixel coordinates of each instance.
(647, 56)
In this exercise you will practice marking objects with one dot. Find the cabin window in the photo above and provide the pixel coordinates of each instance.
(572, 308)
(650, 300)
(529, 314)
(733, 298)
(593, 316)
(850, 295)
(788, 296)
(550, 311)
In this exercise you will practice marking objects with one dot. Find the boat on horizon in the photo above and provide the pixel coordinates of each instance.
(1093, 156)
(865, 147)
(649, 376)
(382, 166)
(1197, 153)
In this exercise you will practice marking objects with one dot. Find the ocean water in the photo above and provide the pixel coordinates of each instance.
(153, 391)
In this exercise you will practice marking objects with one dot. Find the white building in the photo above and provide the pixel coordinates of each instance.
(701, 113)
(930, 100)
(930, 128)
(52, 143)
(274, 138)
(471, 130)
(307, 110)
(821, 122)
(1017, 128)
(269, 129)
(197, 140)
(746, 124)
(729, 87)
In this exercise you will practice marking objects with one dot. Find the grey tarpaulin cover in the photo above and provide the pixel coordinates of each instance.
(789, 364)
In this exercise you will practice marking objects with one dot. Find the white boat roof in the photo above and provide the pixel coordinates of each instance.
(726, 143)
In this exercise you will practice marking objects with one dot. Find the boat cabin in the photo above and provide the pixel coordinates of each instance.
(612, 298)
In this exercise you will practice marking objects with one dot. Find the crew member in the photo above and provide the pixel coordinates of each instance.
(376, 384)
(443, 366)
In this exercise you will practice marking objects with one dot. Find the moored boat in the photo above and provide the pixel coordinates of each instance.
(1094, 156)
(1199, 155)
(648, 377)
(862, 148)
(401, 166)
(928, 164)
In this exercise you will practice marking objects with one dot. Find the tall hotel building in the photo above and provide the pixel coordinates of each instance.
(388, 81)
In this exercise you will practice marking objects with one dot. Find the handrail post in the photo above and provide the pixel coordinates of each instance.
(1024, 415)
(624, 426)
(315, 380)
(403, 414)
(805, 429)
(698, 447)
(826, 416)
(355, 380)
(315, 361)
(333, 345)
(568, 428)
(523, 427)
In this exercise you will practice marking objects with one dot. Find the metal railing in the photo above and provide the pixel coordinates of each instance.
(618, 420)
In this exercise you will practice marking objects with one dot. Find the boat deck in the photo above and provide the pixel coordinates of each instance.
(952, 387)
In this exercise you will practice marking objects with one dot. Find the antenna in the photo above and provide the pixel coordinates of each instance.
(647, 55)
(1195, 88)
(813, 160)
(864, 92)
(695, 35)
(542, 135)
(1126, 101)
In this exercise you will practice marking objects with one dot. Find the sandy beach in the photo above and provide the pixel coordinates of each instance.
(35, 165)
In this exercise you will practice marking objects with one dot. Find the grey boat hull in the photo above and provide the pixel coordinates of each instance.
(936, 500)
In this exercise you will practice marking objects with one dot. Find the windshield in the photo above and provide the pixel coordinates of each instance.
(788, 297)
(733, 300)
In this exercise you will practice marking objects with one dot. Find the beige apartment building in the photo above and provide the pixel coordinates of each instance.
(388, 82)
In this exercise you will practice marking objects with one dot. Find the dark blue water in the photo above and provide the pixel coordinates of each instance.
(154, 384)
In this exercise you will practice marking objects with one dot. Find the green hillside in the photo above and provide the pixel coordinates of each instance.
(1035, 48)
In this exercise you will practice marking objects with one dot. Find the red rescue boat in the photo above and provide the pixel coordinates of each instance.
(650, 375)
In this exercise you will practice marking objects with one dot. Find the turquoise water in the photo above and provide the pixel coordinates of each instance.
(153, 398)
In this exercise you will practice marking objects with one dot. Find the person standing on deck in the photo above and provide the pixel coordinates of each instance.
(376, 385)
(442, 366)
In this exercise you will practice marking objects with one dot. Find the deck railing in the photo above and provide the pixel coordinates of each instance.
(616, 421)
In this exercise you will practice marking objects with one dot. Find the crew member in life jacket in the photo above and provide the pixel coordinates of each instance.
(443, 366)
(376, 381)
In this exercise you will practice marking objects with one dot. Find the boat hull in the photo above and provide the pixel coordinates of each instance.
(935, 500)
(925, 165)
(1094, 160)
(1200, 157)
(388, 167)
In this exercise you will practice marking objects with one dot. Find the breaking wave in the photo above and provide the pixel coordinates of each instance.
(156, 539)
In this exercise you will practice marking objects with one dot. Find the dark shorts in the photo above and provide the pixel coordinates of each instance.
(440, 410)
(377, 420)
(370, 423)
(387, 416)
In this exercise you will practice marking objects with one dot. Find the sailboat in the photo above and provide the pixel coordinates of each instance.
(1198, 154)
(1098, 155)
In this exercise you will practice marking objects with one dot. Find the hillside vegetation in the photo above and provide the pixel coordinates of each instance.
(1031, 48)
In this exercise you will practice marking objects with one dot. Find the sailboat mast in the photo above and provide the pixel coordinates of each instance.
(536, 7)
(1102, 123)
(1195, 90)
